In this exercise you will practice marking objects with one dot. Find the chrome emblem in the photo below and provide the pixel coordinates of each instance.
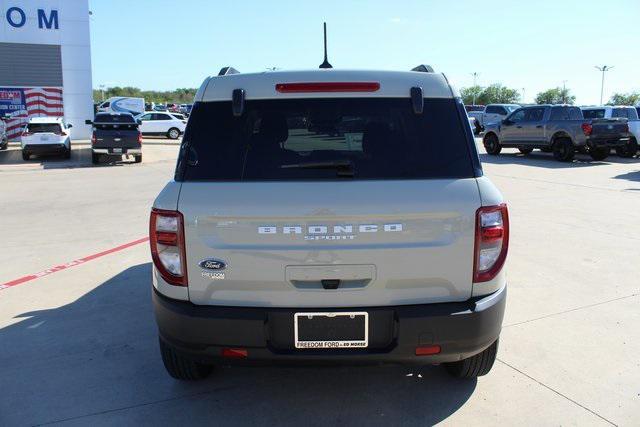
(212, 264)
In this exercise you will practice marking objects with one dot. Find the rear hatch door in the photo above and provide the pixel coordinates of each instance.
(294, 195)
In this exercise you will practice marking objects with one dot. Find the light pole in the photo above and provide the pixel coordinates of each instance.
(523, 95)
(603, 69)
(475, 77)
(564, 91)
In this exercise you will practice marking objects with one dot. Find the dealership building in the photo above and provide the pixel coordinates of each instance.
(45, 63)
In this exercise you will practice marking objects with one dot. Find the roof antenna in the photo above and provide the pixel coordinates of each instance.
(325, 64)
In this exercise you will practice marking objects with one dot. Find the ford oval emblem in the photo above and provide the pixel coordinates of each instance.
(212, 264)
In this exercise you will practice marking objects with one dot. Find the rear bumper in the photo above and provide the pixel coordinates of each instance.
(611, 142)
(109, 151)
(460, 329)
(44, 148)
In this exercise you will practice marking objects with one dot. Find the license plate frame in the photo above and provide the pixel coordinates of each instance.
(116, 150)
(330, 343)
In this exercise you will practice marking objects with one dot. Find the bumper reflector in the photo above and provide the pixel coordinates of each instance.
(235, 353)
(427, 350)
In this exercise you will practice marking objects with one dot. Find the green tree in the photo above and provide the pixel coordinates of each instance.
(178, 96)
(556, 95)
(470, 95)
(493, 94)
(498, 94)
(631, 98)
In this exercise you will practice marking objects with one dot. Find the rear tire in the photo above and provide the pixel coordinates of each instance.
(628, 150)
(174, 133)
(563, 150)
(5, 144)
(474, 366)
(181, 367)
(599, 153)
(26, 155)
(138, 158)
(95, 158)
(492, 145)
(67, 152)
(525, 150)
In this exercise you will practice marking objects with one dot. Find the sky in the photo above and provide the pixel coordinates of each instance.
(526, 45)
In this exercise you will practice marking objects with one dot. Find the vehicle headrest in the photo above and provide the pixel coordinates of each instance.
(376, 137)
(273, 127)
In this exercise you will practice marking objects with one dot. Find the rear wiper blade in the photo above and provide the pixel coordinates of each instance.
(343, 167)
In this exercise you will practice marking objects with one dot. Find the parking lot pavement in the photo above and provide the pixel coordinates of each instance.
(79, 344)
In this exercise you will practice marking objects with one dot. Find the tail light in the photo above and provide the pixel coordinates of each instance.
(166, 236)
(327, 87)
(93, 138)
(492, 242)
(587, 129)
(140, 138)
(26, 133)
(626, 127)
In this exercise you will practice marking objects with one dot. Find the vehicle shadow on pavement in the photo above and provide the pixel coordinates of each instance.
(630, 176)
(96, 360)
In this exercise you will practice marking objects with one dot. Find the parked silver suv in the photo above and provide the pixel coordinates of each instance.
(328, 215)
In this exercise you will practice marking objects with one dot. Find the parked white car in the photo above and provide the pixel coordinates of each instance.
(4, 141)
(46, 135)
(155, 123)
(494, 113)
(618, 111)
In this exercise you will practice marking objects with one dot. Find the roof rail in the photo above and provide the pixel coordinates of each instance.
(422, 68)
(225, 71)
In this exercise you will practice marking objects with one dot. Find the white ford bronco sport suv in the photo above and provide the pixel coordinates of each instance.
(328, 215)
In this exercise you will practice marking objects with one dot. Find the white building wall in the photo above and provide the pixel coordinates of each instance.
(73, 37)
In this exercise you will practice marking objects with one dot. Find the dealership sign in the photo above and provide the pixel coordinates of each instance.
(16, 17)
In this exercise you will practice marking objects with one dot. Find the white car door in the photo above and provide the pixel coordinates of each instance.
(147, 123)
(163, 122)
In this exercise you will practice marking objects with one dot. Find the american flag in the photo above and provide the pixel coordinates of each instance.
(39, 102)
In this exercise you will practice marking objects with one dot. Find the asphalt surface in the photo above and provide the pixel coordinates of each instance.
(78, 345)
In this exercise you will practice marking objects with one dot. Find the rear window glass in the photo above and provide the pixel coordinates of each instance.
(593, 114)
(114, 118)
(43, 128)
(316, 139)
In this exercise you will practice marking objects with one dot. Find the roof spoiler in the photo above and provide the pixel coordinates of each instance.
(225, 71)
(423, 68)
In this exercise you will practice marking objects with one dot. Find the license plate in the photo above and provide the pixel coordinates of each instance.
(331, 330)
(44, 138)
(117, 150)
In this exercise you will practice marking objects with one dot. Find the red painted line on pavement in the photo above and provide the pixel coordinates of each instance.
(73, 263)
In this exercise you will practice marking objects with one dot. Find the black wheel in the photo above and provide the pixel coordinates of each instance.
(67, 152)
(173, 133)
(474, 366)
(628, 150)
(525, 150)
(138, 158)
(563, 150)
(492, 145)
(600, 153)
(5, 144)
(181, 367)
(546, 149)
(25, 155)
(95, 158)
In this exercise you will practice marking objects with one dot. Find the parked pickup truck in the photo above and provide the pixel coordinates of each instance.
(619, 111)
(115, 134)
(561, 129)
